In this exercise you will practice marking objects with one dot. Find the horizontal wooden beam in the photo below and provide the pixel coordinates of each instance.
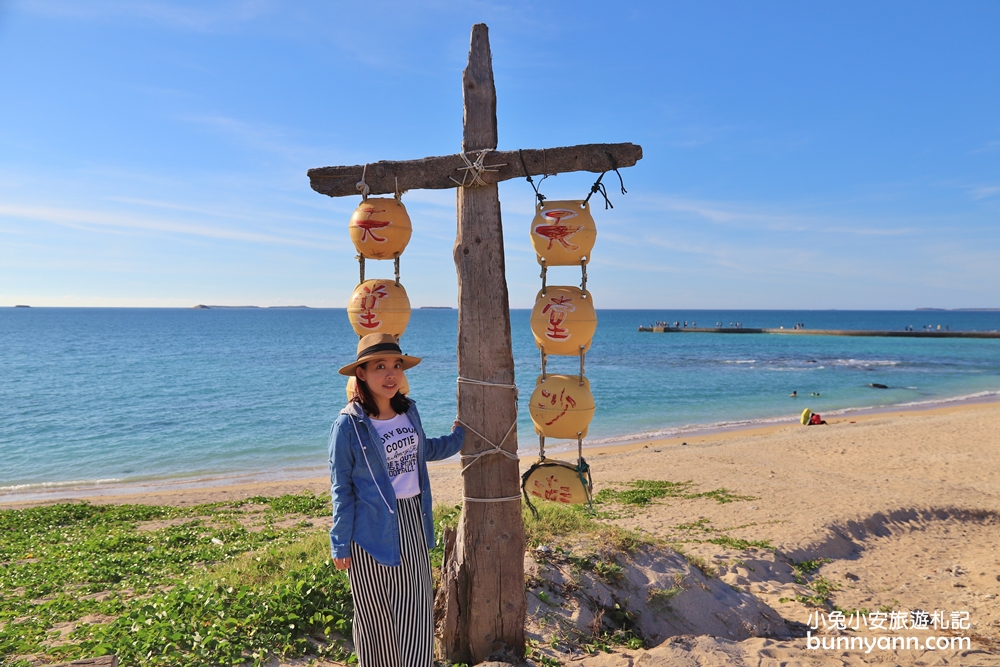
(435, 173)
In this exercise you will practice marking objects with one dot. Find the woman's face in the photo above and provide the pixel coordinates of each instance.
(383, 376)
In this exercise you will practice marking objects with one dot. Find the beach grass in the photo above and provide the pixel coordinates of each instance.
(225, 583)
(215, 584)
(642, 492)
(553, 522)
(240, 583)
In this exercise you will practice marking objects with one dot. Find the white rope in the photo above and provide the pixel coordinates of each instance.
(495, 448)
(491, 500)
(462, 380)
(475, 169)
(362, 187)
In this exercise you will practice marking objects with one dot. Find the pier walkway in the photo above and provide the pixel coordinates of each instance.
(827, 332)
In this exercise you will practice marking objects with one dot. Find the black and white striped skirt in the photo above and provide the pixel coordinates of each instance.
(393, 606)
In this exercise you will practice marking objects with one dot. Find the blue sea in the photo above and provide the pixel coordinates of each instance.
(140, 396)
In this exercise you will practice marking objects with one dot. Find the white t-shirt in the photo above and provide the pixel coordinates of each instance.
(400, 441)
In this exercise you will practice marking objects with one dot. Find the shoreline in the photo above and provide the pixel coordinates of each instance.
(230, 487)
(695, 430)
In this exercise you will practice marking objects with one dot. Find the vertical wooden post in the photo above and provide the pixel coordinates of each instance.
(484, 573)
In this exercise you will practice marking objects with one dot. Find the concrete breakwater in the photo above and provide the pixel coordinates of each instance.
(826, 332)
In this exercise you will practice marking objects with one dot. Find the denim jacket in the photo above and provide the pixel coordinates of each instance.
(364, 503)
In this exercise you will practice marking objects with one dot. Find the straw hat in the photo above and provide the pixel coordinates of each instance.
(378, 345)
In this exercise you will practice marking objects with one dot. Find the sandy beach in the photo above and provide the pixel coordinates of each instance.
(905, 506)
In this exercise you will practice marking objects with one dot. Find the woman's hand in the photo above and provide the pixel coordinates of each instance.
(342, 563)
(455, 425)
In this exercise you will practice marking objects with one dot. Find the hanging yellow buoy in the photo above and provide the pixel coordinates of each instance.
(559, 482)
(563, 319)
(380, 228)
(379, 306)
(561, 407)
(563, 232)
(352, 386)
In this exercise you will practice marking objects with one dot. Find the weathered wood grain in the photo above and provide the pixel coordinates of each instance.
(433, 172)
(484, 575)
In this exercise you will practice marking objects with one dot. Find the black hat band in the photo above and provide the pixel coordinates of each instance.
(380, 347)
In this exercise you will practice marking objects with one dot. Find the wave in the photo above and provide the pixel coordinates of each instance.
(151, 484)
(862, 363)
(785, 364)
(981, 396)
(41, 486)
(740, 424)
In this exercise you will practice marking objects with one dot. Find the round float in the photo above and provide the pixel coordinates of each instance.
(561, 407)
(563, 233)
(379, 306)
(563, 320)
(380, 228)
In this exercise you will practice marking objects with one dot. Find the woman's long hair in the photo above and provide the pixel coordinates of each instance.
(364, 398)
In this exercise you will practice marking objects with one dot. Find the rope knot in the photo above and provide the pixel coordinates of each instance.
(362, 187)
(475, 169)
(494, 447)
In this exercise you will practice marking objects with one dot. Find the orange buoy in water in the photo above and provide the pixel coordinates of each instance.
(563, 233)
(563, 320)
(380, 228)
(561, 407)
(379, 306)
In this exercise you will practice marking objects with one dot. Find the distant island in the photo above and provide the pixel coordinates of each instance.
(21, 306)
(202, 306)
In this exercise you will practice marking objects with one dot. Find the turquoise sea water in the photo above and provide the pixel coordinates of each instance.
(132, 395)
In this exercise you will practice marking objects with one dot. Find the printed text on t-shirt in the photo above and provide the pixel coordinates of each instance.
(401, 450)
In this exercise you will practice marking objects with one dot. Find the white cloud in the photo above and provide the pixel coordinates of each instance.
(988, 147)
(207, 17)
(111, 221)
(754, 216)
(983, 192)
(257, 137)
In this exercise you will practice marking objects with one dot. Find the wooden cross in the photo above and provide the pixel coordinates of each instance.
(483, 580)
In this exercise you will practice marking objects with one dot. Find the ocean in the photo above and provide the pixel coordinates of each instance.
(95, 396)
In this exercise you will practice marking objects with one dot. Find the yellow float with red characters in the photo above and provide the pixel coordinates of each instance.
(558, 482)
(379, 306)
(562, 406)
(563, 320)
(563, 233)
(380, 228)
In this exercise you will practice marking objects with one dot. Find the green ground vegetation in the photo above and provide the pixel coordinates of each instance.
(642, 492)
(218, 584)
(805, 574)
(232, 583)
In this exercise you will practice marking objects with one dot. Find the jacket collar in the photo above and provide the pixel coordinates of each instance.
(355, 410)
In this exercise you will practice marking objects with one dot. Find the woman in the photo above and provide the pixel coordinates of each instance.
(382, 520)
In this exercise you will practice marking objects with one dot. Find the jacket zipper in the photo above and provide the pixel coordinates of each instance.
(364, 453)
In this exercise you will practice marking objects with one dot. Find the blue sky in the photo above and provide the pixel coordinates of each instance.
(797, 155)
